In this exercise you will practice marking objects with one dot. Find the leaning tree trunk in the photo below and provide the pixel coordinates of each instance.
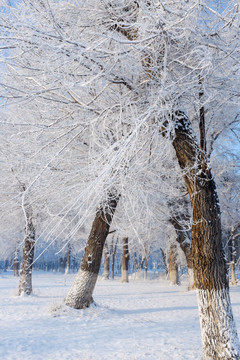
(25, 282)
(125, 259)
(172, 265)
(80, 294)
(219, 335)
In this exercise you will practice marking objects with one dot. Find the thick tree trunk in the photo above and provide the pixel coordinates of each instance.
(80, 294)
(125, 259)
(172, 265)
(25, 282)
(106, 263)
(219, 334)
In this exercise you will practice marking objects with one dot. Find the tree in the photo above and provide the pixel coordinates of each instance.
(209, 264)
(106, 263)
(181, 223)
(16, 263)
(80, 294)
(113, 250)
(125, 260)
(25, 283)
(173, 266)
(129, 75)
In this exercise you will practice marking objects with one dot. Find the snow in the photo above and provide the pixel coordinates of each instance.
(137, 320)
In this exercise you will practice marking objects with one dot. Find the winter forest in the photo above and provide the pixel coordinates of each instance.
(119, 153)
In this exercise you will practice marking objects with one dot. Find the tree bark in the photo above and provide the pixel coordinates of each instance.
(106, 263)
(80, 294)
(125, 259)
(219, 335)
(113, 253)
(172, 266)
(146, 267)
(164, 261)
(68, 259)
(183, 238)
(16, 263)
(233, 259)
(25, 282)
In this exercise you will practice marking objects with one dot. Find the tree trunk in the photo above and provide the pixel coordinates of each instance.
(172, 265)
(16, 263)
(113, 253)
(106, 263)
(233, 274)
(146, 267)
(125, 259)
(25, 283)
(80, 294)
(233, 260)
(219, 334)
(164, 261)
(68, 259)
(6, 264)
(183, 238)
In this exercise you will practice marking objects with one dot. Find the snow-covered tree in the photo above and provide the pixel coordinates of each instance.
(129, 79)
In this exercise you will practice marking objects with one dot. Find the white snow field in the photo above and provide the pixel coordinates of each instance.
(134, 321)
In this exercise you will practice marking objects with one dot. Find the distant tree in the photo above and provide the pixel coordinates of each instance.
(106, 263)
(173, 266)
(125, 259)
(25, 283)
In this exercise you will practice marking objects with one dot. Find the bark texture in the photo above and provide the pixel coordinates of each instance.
(80, 294)
(233, 259)
(106, 263)
(25, 282)
(16, 263)
(219, 334)
(164, 261)
(183, 238)
(146, 268)
(113, 250)
(125, 259)
(172, 265)
(68, 259)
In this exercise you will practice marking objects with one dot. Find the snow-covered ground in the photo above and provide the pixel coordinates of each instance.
(139, 320)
